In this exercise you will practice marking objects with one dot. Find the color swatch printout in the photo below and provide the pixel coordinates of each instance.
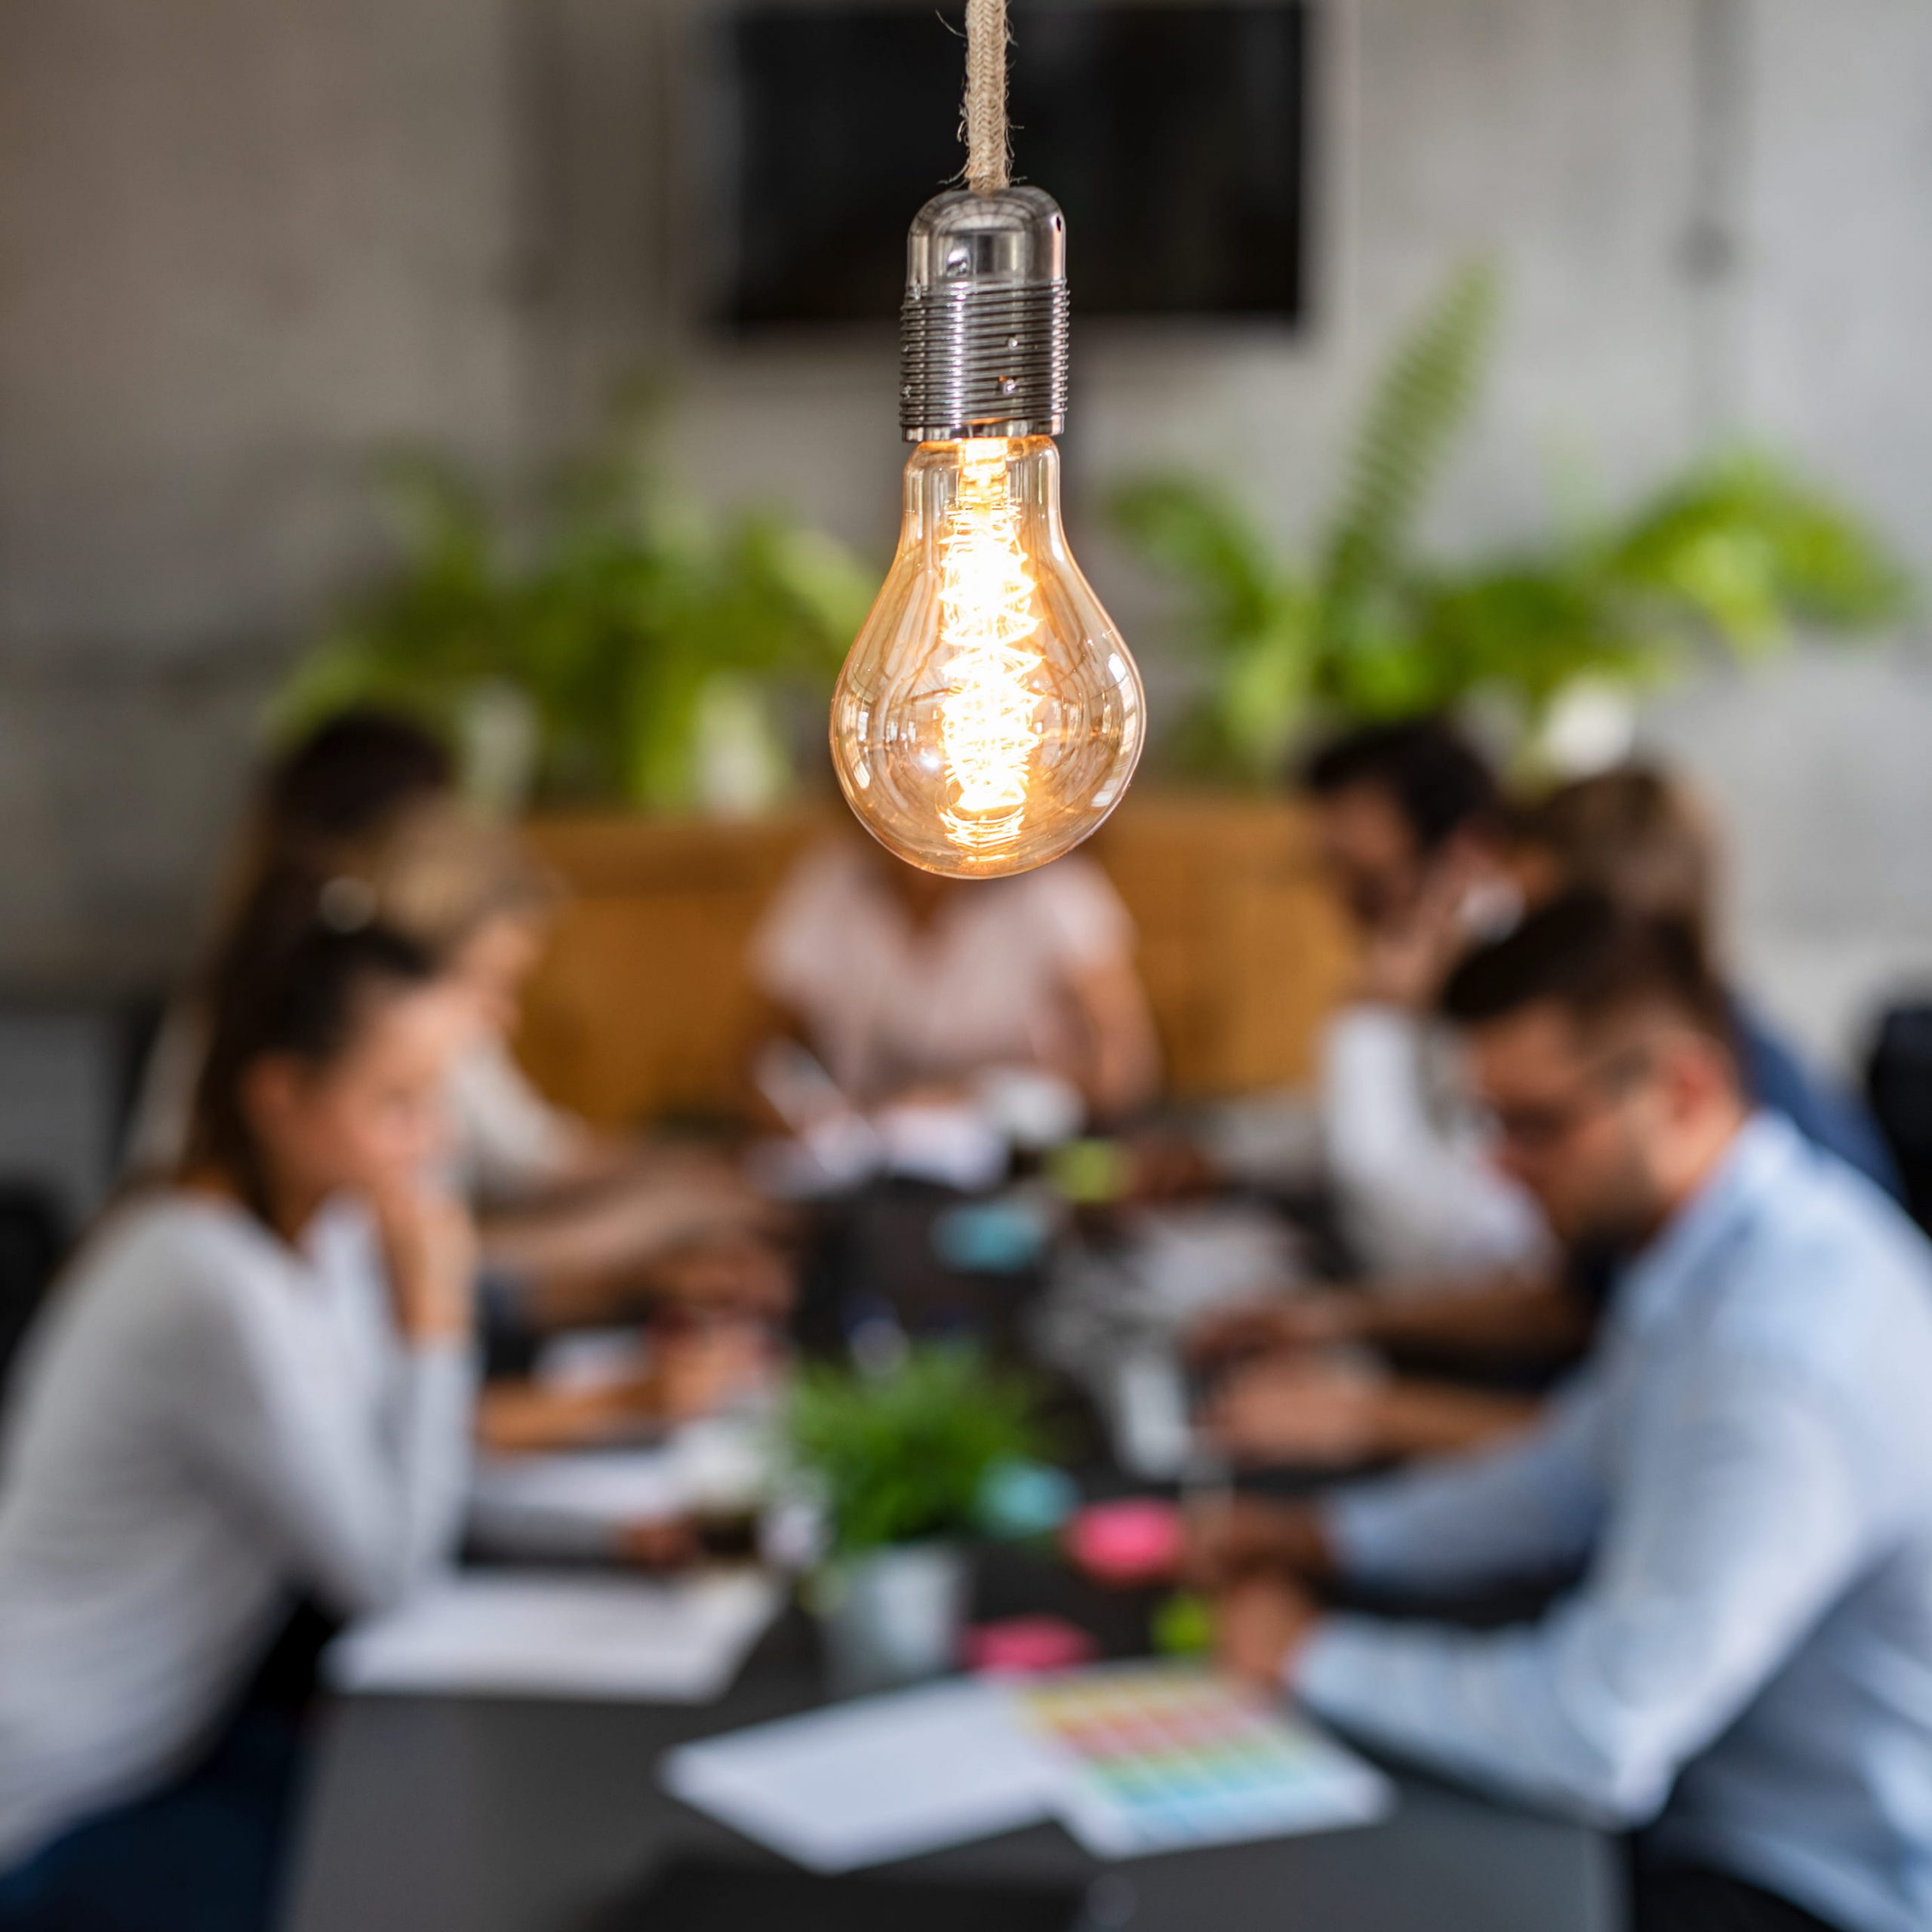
(1158, 1757)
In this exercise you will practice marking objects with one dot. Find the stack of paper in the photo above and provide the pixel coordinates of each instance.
(560, 1635)
(1130, 1759)
(574, 1503)
(550, 1506)
(882, 1778)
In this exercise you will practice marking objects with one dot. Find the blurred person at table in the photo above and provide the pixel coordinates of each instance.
(1646, 840)
(1643, 836)
(245, 1411)
(1408, 820)
(588, 1225)
(576, 1226)
(326, 796)
(1743, 1674)
(904, 985)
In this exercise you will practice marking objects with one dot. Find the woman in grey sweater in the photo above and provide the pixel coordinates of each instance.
(253, 1391)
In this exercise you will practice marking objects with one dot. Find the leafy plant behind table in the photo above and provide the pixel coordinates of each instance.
(621, 616)
(904, 1455)
(1738, 552)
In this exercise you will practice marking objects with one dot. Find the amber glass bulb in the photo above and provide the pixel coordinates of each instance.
(988, 716)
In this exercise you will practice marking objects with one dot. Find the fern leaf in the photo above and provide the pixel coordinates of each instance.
(1423, 400)
(1194, 533)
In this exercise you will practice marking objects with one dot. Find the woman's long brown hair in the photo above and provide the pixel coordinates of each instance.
(295, 977)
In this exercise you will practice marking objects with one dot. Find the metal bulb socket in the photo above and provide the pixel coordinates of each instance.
(983, 328)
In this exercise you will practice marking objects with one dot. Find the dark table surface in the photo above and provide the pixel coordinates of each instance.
(479, 1815)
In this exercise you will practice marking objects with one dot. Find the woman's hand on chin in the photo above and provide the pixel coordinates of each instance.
(429, 1246)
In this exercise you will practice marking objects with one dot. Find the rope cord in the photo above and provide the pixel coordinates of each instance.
(983, 118)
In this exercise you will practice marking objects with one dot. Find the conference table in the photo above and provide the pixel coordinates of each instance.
(464, 1814)
(456, 1814)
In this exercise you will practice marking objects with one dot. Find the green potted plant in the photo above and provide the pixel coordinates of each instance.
(1738, 552)
(592, 637)
(900, 1463)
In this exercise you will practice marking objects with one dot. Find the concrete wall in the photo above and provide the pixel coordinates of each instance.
(239, 246)
(1824, 762)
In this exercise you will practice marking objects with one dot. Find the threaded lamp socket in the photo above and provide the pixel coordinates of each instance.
(983, 328)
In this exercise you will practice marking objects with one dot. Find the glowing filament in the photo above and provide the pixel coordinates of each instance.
(987, 728)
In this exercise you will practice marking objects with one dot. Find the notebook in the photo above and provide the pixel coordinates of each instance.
(571, 1634)
(1155, 1757)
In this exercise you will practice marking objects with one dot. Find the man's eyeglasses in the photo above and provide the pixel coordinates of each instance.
(1539, 1126)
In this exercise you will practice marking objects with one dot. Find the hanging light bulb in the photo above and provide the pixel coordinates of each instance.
(988, 716)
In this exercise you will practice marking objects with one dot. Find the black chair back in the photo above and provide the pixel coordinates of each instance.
(34, 1237)
(1898, 1080)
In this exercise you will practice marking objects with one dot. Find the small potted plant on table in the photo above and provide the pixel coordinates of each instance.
(901, 1462)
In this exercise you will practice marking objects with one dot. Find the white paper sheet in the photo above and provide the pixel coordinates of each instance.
(560, 1635)
(881, 1778)
(573, 1504)
(559, 1506)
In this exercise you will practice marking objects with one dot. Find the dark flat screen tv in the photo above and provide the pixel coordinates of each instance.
(1174, 136)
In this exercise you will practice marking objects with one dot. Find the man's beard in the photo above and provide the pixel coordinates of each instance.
(1621, 1221)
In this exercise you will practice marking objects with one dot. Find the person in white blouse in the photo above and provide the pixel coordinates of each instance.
(252, 1390)
(588, 1222)
(906, 984)
(1408, 816)
(1409, 821)
(334, 791)
(576, 1226)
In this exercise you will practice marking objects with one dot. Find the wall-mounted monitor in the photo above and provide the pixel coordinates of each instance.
(1174, 136)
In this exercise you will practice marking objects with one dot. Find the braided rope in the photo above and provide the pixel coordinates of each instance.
(982, 118)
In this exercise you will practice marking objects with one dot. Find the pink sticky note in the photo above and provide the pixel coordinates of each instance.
(1139, 1539)
(1026, 1646)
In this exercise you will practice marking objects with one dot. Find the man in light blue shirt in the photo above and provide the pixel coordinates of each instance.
(1744, 1471)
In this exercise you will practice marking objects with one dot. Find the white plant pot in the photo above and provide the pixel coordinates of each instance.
(738, 765)
(894, 1617)
(499, 740)
(1590, 727)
